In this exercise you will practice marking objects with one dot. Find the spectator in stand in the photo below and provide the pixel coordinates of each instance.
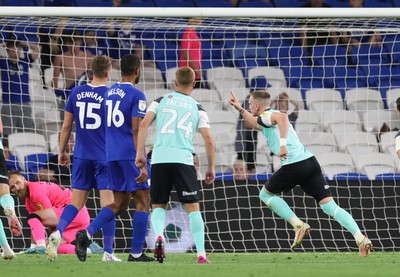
(310, 38)
(239, 170)
(281, 103)
(91, 43)
(49, 43)
(191, 53)
(16, 108)
(11, 160)
(73, 64)
(357, 38)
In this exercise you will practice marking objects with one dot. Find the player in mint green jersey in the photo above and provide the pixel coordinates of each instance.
(299, 166)
(178, 116)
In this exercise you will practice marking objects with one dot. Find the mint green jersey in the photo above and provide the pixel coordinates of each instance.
(296, 150)
(177, 118)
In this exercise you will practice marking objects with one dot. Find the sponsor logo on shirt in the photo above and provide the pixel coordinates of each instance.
(185, 193)
(39, 206)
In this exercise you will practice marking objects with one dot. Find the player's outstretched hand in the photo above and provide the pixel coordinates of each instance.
(235, 102)
(210, 176)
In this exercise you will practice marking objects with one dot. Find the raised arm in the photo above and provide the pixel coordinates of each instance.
(251, 119)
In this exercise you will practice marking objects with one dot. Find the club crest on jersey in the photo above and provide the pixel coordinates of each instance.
(264, 113)
(142, 105)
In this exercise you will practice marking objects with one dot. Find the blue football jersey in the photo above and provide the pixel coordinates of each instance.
(87, 102)
(123, 101)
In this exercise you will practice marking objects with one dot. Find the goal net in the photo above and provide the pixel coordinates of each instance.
(340, 78)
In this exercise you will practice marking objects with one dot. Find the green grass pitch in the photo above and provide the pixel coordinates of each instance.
(260, 264)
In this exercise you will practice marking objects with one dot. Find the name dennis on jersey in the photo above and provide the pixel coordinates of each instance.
(90, 94)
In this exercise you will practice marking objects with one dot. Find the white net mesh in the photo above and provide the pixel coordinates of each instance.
(343, 74)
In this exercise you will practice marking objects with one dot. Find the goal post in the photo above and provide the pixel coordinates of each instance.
(341, 67)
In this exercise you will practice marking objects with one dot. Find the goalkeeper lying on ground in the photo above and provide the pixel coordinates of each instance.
(45, 202)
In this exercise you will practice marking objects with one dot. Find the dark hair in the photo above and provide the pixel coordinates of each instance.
(185, 76)
(14, 172)
(398, 103)
(100, 66)
(12, 42)
(129, 64)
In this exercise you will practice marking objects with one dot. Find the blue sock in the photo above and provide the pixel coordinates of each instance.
(341, 216)
(7, 200)
(158, 221)
(67, 216)
(105, 215)
(139, 224)
(197, 229)
(108, 236)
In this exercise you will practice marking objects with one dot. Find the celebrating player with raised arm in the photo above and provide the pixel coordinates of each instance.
(299, 166)
(86, 106)
(125, 107)
(177, 116)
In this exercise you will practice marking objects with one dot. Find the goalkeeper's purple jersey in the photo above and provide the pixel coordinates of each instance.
(87, 102)
(122, 102)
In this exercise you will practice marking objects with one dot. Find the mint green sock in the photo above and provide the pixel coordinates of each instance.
(158, 221)
(344, 218)
(197, 229)
(3, 238)
(276, 204)
(7, 200)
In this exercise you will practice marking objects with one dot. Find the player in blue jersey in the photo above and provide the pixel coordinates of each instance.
(177, 116)
(85, 106)
(125, 107)
(299, 167)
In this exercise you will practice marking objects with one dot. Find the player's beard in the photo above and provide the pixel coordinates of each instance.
(137, 79)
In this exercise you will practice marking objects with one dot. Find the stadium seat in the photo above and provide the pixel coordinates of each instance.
(373, 164)
(210, 99)
(137, 3)
(175, 3)
(155, 93)
(23, 144)
(293, 93)
(260, 177)
(34, 162)
(213, 3)
(21, 3)
(223, 79)
(391, 97)
(274, 76)
(324, 99)
(378, 3)
(341, 121)
(363, 99)
(150, 78)
(318, 142)
(351, 176)
(263, 162)
(289, 3)
(373, 120)
(223, 121)
(387, 141)
(308, 121)
(357, 143)
(94, 3)
(334, 163)
(388, 176)
(256, 4)
(170, 77)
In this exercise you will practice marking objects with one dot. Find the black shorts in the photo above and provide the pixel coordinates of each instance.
(182, 177)
(3, 169)
(307, 174)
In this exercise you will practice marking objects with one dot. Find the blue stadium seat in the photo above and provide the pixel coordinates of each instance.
(378, 3)
(56, 3)
(396, 3)
(13, 163)
(388, 176)
(21, 3)
(338, 3)
(224, 176)
(260, 177)
(94, 3)
(213, 3)
(34, 162)
(350, 177)
(289, 3)
(256, 4)
(174, 3)
(138, 3)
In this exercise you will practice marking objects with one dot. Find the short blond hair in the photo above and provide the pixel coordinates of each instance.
(185, 76)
